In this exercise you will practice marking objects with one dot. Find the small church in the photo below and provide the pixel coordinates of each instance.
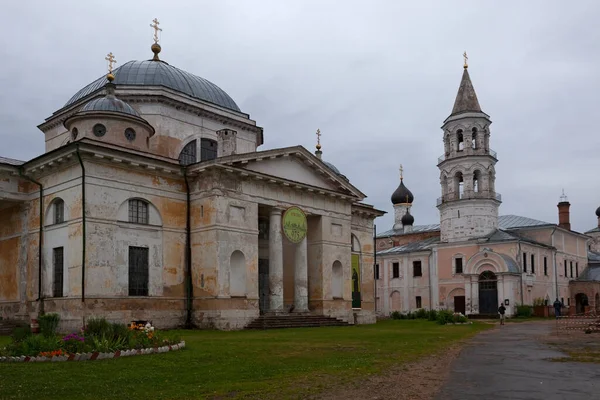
(153, 202)
(474, 259)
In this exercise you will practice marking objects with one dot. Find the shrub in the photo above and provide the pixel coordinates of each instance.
(20, 333)
(432, 315)
(396, 315)
(33, 345)
(422, 314)
(444, 317)
(524, 311)
(459, 318)
(49, 324)
(98, 327)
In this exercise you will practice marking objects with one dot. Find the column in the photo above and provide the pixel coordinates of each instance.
(301, 277)
(275, 262)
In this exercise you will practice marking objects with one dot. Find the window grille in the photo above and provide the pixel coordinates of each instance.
(188, 154)
(58, 262)
(138, 211)
(59, 211)
(208, 149)
(138, 271)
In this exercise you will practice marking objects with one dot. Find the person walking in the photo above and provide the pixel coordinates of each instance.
(557, 306)
(501, 311)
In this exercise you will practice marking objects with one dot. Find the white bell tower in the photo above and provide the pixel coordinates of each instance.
(469, 203)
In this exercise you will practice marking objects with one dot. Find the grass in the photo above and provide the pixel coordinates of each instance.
(287, 363)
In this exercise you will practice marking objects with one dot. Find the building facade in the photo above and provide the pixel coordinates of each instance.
(153, 202)
(474, 260)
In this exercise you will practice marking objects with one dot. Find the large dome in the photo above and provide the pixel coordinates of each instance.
(159, 73)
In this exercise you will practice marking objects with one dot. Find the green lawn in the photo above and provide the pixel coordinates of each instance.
(243, 364)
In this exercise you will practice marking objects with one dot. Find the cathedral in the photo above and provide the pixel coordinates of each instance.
(153, 202)
(475, 259)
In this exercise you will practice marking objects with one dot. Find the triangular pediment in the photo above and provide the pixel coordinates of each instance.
(293, 164)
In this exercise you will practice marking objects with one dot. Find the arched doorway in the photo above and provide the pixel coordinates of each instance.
(581, 301)
(488, 293)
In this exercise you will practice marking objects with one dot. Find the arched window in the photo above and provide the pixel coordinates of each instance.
(59, 211)
(337, 279)
(460, 140)
(476, 179)
(237, 274)
(396, 301)
(188, 154)
(458, 185)
(474, 138)
(138, 211)
(208, 149)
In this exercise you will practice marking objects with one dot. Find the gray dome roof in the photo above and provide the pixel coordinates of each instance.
(598, 212)
(159, 73)
(332, 167)
(111, 104)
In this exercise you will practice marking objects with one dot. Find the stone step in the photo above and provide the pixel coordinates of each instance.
(294, 321)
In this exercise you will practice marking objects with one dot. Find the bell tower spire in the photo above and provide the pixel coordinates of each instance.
(469, 203)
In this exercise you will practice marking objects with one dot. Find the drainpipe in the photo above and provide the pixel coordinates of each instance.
(430, 274)
(554, 264)
(375, 263)
(521, 270)
(82, 223)
(188, 256)
(40, 240)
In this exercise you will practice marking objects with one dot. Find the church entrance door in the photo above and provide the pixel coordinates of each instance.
(488, 293)
(459, 304)
(263, 285)
(356, 301)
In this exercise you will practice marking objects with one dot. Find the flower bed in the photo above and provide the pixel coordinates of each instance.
(99, 339)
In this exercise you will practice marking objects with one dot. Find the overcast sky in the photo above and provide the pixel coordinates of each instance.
(377, 77)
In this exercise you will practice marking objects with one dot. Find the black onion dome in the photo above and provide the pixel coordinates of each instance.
(408, 219)
(402, 195)
(159, 73)
(598, 212)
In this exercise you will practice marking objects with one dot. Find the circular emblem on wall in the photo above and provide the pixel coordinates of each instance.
(294, 224)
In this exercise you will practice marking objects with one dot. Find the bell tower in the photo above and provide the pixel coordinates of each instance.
(469, 203)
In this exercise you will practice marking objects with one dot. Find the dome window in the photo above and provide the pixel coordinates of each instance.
(74, 134)
(99, 130)
(130, 134)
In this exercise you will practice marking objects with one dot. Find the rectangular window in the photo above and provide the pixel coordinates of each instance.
(565, 268)
(59, 211)
(546, 266)
(417, 268)
(58, 263)
(138, 271)
(396, 270)
(532, 264)
(568, 301)
(418, 301)
(376, 271)
(576, 270)
(138, 211)
(459, 265)
(525, 262)
(571, 269)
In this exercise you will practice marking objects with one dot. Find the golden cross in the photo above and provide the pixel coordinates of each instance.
(466, 59)
(318, 138)
(111, 59)
(156, 29)
(401, 172)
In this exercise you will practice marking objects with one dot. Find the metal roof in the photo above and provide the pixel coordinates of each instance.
(158, 73)
(504, 222)
(591, 273)
(11, 161)
(110, 103)
(596, 229)
(422, 245)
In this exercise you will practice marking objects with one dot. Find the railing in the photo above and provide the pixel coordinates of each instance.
(468, 152)
(467, 196)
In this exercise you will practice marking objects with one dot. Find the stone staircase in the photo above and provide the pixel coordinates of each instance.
(294, 321)
(8, 325)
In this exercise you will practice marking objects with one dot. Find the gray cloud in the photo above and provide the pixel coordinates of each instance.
(378, 78)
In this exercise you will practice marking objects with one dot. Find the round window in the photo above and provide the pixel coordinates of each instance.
(130, 134)
(99, 130)
(74, 133)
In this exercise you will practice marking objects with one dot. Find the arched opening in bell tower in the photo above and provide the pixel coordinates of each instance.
(476, 179)
(460, 142)
(474, 139)
(459, 185)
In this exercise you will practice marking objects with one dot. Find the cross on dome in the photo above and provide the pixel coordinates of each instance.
(156, 29)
